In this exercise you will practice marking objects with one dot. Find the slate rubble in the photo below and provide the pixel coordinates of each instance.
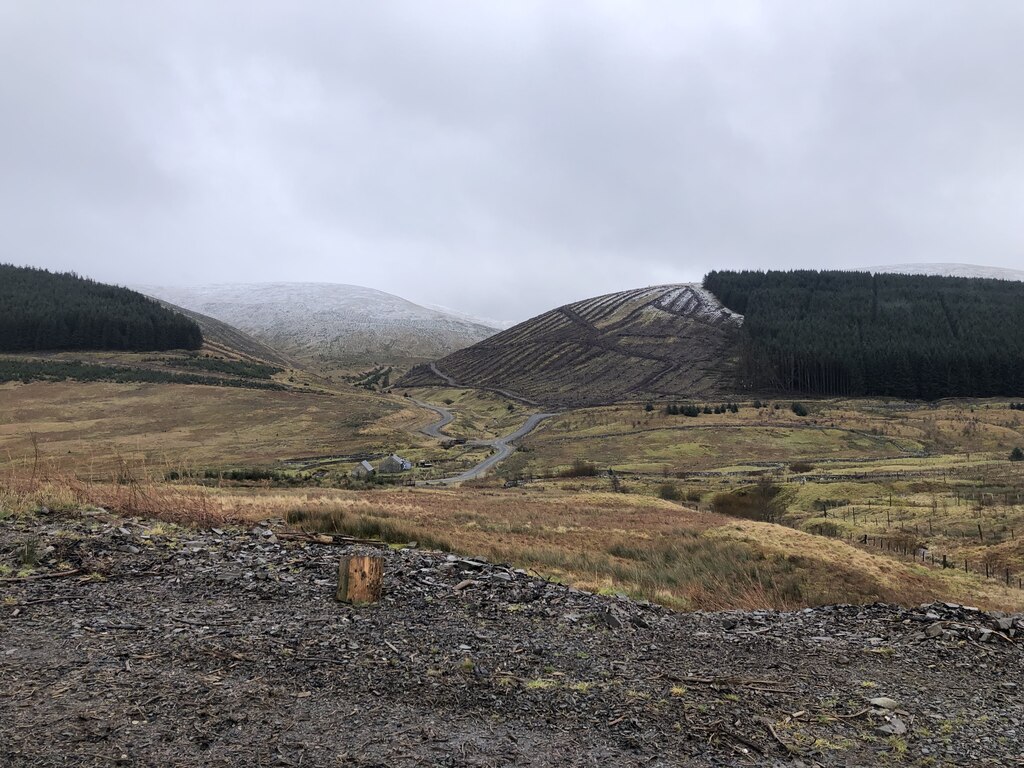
(166, 646)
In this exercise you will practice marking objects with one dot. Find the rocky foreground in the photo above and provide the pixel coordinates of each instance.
(137, 643)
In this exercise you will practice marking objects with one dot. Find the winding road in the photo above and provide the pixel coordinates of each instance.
(434, 430)
(503, 447)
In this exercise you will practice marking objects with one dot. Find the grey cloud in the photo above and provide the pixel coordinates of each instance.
(504, 158)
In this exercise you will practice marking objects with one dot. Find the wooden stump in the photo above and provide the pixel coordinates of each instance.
(360, 578)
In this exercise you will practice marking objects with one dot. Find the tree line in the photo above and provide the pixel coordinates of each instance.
(229, 367)
(690, 409)
(42, 310)
(20, 369)
(857, 334)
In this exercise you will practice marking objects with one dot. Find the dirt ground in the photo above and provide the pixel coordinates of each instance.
(132, 642)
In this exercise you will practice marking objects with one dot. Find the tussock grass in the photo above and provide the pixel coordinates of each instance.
(711, 573)
(68, 495)
(641, 546)
(364, 526)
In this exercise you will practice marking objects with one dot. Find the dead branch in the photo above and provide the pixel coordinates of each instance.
(41, 576)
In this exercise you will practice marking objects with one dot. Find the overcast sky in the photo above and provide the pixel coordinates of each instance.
(504, 158)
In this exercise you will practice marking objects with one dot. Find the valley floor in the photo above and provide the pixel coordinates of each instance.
(137, 642)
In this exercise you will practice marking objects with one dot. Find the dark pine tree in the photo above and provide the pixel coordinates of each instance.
(40, 310)
(857, 334)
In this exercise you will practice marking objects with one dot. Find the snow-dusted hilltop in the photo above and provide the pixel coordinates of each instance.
(951, 270)
(330, 320)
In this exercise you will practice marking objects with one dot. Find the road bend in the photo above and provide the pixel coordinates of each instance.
(502, 447)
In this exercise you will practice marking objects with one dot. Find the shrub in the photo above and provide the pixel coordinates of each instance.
(669, 492)
(1017, 454)
(799, 467)
(800, 409)
(759, 502)
(828, 528)
(580, 468)
(240, 475)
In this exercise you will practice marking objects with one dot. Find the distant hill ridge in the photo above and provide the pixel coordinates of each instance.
(951, 270)
(330, 321)
(660, 341)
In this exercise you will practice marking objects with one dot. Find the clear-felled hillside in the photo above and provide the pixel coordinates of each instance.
(43, 311)
(853, 333)
(665, 341)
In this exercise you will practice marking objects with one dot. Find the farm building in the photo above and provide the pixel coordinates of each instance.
(364, 469)
(393, 464)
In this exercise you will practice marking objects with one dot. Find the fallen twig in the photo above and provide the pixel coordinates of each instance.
(41, 576)
(51, 600)
(738, 737)
(790, 748)
(330, 539)
(853, 716)
(192, 623)
(723, 681)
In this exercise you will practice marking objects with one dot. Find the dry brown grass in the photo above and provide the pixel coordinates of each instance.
(72, 445)
(89, 429)
(605, 542)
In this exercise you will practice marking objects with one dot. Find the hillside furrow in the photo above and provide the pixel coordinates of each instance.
(669, 341)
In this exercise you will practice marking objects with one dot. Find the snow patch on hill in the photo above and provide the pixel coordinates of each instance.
(950, 270)
(692, 299)
(330, 320)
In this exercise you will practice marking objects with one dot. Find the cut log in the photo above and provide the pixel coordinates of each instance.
(360, 578)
